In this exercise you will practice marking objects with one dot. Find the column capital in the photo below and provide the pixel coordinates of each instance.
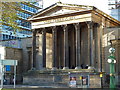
(97, 24)
(43, 31)
(34, 31)
(77, 26)
(90, 24)
(65, 27)
(54, 28)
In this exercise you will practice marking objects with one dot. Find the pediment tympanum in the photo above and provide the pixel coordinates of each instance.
(60, 8)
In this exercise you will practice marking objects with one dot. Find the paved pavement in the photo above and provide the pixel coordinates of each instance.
(29, 86)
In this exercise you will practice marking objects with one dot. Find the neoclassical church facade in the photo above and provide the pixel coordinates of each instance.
(70, 37)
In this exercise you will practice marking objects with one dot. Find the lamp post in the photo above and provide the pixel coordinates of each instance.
(112, 61)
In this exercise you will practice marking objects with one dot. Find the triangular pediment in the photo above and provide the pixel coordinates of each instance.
(60, 8)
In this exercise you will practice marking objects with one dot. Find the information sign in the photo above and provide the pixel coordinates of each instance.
(7, 67)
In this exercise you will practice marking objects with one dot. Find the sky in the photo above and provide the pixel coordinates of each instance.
(100, 4)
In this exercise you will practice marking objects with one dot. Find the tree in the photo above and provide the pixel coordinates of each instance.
(9, 14)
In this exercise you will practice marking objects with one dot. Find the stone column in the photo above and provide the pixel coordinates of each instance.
(98, 47)
(44, 48)
(33, 49)
(54, 47)
(77, 42)
(90, 43)
(66, 54)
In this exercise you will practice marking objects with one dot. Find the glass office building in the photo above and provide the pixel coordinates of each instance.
(115, 13)
(27, 10)
(114, 7)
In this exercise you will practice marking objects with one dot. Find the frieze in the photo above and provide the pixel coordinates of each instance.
(60, 19)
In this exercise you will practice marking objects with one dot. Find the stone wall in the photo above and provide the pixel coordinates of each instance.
(61, 78)
(48, 51)
(95, 81)
(12, 54)
(113, 35)
(15, 54)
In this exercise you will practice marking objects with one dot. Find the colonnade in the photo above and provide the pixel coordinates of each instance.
(77, 27)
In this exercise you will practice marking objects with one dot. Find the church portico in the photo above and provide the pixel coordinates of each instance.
(72, 45)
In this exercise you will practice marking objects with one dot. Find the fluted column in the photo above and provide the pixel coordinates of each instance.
(44, 47)
(66, 54)
(77, 42)
(90, 43)
(33, 49)
(54, 47)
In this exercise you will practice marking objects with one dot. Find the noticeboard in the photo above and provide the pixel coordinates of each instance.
(72, 82)
(85, 80)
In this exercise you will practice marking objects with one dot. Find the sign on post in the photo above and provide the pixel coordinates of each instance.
(7, 63)
(7, 67)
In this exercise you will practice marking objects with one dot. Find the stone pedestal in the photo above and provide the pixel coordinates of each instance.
(61, 78)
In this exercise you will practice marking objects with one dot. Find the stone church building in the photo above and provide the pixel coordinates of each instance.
(71, 38)
(68, 41)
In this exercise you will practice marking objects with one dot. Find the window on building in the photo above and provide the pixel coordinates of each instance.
(3, 37)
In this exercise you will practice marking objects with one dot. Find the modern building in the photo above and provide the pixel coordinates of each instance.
(114, 7)
(26, 10)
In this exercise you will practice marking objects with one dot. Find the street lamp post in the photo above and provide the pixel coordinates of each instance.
(112, 61)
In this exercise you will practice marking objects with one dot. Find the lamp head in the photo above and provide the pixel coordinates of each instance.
(111, 50)
(109, 60)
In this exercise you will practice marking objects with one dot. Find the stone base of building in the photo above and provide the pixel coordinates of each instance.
(84, 78)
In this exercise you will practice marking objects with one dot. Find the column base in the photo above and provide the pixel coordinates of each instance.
(91, 67)
(54, 68)
(44, 68)
(77, 67)
(99, 70)
(65, 68)
(33, 68)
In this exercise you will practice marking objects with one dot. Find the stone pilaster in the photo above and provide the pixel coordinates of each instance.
(77, 42)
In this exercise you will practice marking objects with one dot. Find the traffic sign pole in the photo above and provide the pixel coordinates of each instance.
(14, 73)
